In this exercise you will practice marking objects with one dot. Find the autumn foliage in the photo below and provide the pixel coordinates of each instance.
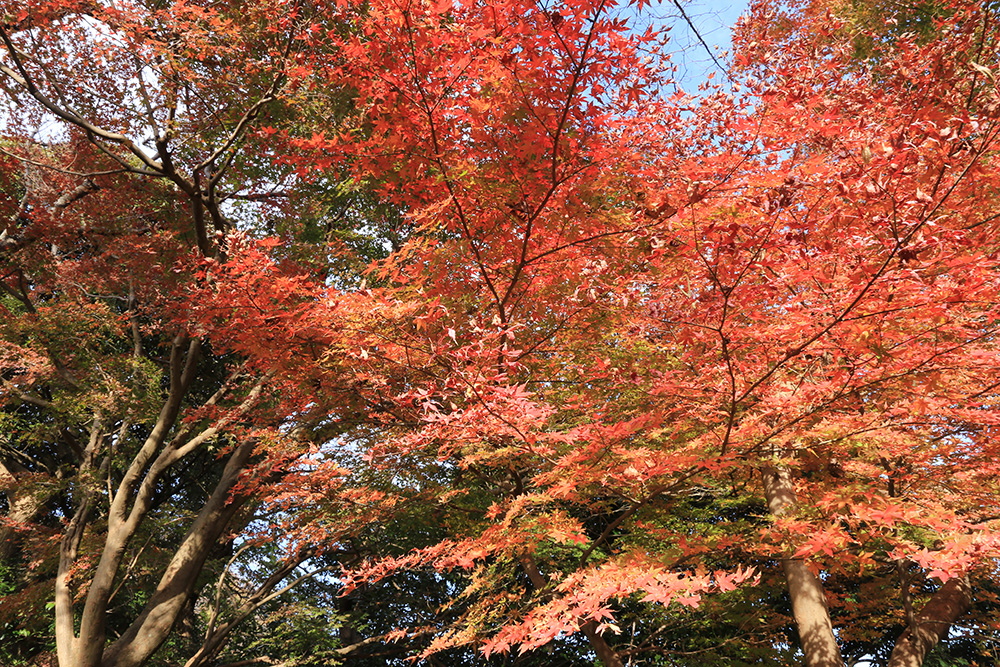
(307, 301)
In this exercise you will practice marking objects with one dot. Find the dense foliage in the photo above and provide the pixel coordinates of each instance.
(353, 332)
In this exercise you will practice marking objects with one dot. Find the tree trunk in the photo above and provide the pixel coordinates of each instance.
(932, 623)
(604, 652)
(22, 508)
(812, 617)
(177, 584)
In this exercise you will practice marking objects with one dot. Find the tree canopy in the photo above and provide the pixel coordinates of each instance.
(362, 332)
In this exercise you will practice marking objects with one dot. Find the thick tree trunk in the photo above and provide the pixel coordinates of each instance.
(812, 617)
(84, 649)
(604, 652)
(177, 584)
(932, 623)
(23, 508)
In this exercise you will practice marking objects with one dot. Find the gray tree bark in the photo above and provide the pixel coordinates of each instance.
(812, 616)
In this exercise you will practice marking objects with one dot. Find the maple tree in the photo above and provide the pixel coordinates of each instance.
(118, 410)
(470, 300)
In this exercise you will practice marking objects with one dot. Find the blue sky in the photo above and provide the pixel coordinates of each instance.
(713, 20)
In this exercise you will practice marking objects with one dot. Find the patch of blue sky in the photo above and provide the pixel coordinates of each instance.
(700, 35)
